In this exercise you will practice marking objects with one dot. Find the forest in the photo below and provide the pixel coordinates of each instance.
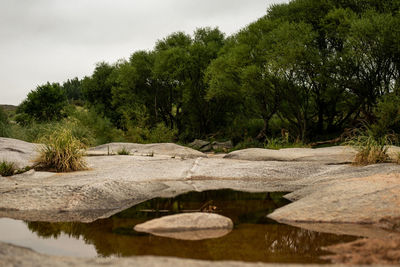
(307, 71)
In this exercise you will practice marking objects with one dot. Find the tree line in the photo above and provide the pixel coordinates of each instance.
(309, 69)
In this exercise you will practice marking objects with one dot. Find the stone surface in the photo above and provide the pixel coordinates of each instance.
(150, 150)
(327, 155)
(19, 152)
(322, 192)
(353, 200)
(188, 226)
(199, 144)
(371, 251)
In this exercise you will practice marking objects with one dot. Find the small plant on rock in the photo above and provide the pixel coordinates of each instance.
(123, 151)
(370, 149)
(7, 168)
(61, 152)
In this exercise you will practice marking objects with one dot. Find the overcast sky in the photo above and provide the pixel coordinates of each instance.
(54, 40)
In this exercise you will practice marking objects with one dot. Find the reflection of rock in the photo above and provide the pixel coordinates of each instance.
(360, 230)
(19, 152)
(194, 234)
(188, 226)
(165, 149)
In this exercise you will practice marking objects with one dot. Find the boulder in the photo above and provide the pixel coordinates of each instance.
(21, 153)
(225, 146)
(327, 155)
(199, 144)
(188, 226)
(163, 149)
(364, 200)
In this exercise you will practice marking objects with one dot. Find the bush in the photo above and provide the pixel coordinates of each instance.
(4, 126)
(123, 151)
(370, 149)
(7, 168)
(43, 104)
(61, 152)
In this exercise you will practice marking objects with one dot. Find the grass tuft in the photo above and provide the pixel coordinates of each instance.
(61, 152)
(123, 151)
(370, 149)
(7, 168)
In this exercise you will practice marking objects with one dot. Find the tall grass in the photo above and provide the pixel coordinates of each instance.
(7, 168)
(370, 149)
(61, 152)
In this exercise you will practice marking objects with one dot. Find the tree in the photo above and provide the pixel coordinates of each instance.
(45, 103)
(73, 89)
(97, 91)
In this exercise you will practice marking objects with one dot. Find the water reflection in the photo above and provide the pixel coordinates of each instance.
(254, 238)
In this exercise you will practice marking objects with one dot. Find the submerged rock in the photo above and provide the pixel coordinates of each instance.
(188, 226)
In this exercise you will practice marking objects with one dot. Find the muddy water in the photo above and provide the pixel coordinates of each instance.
(254, 237)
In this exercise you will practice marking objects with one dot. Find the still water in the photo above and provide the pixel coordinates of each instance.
(254, 237)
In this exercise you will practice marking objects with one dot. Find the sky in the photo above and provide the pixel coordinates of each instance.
(56, 40)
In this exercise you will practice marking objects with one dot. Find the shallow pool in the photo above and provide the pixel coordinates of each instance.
(254, 237)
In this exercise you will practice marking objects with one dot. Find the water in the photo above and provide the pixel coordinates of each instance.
(254, 237)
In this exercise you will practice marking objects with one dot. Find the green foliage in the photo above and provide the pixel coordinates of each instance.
(123, 151)
(159, 134)
(7, 168)
(43, 104)
(4, 124)
(61, 152)
(309, 68)
(73, 90)
(387, 114)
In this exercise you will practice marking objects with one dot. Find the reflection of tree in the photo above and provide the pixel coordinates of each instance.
(287, 239)
(253, 239)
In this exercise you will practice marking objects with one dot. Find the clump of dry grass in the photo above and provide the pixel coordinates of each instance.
(61, 152)
(370, 149)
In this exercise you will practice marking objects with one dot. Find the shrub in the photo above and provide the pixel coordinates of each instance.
(45, 103)
(162, 134)
(123, 151)
(7, 168)
(370, 149)
(61, 152)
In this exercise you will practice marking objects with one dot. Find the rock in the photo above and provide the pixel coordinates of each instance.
(225, 146)
(21, 153)
(206, 146)
(371, 251)
(188, 226)
(363, 200)
(199, 144)
(163, 149)
(326, 155)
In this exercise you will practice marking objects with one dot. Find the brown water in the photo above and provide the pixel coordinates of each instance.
(254, 238)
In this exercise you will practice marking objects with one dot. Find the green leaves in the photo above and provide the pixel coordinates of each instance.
(44, 104)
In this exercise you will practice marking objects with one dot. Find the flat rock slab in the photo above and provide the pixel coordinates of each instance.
(165, 149)
(327, 155)
(188, 226)
(354, 200)
(21, 153)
